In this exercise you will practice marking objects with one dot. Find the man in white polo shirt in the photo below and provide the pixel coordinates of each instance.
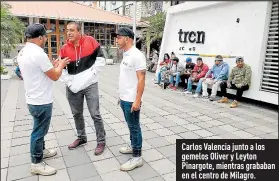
(131, 87)
(38, 73)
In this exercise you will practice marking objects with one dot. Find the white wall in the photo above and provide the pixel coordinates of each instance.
(223, 35)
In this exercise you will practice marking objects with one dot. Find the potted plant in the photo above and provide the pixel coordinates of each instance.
(109, 57)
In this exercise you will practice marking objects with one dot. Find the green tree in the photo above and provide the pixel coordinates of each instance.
(11, 30)
(155, 30)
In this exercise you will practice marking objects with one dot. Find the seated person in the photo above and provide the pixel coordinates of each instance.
(175, 70)
(154, 61)
(240, 79)
(219, 73)
(17, 70)
(187, 73)
(164, 66)
(198, 73)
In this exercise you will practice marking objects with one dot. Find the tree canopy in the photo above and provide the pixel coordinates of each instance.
(11, 29)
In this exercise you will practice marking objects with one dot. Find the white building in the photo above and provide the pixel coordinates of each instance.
(229, 29)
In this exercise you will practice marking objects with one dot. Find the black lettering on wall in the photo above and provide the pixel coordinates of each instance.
(192, 34)
(180, 35)
(185, 37)
(201, 37)
(192, 37)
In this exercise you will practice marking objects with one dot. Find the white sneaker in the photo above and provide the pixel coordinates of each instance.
(126, 150)
(131, 164)
(49, 153)
(196, 96)
(188, 92)
(42, 169)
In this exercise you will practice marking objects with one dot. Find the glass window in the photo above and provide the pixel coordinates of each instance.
(53, 25)
(61, 26)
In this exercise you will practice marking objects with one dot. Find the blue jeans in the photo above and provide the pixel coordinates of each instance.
(17, 71)
(190, 83)
(132, 119)
(159, 77)
(177, 79)
(41, 116)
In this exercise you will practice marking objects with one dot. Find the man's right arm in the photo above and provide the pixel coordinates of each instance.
(55, 73)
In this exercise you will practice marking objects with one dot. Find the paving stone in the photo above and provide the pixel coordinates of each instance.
(114, 141)
(4, 174)
(107, 165)
(82, 171)
(116, 176)
(168, 151)
(255, 131)
(266, 129)
(178, 129)
(149, 134)
(6, 136)
(32, 178)
(22, 134)
(204, 118)
(57, 163)
(123, 131)
(205, 125)
(189, 135)
(152, 155)
(191, 127)
(169, 123)
(172, 138)
(65, 137)
(228, 128)
(19, 172)
(169, 176)
(203, 133)
(19, 159)
(160, 166)
(115, 149)
(154, 126)
(71, 159)
(17, 150)
(159, 178)
(117, 125)
(269, 136)
(158, 142)
(110, 133)
(63, 127)
(95, 178)
(163, 132)
(147, 121)
(4, 162)
(105, 155)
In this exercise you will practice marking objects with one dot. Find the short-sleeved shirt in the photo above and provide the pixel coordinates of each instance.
(133, 61)
(33, 63)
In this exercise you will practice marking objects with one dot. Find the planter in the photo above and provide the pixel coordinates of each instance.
(7, 61)
(109, 61)
(5, 77)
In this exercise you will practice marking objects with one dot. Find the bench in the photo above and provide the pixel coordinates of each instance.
(229, 91)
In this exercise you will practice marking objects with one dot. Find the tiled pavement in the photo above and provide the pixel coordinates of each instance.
(166, 116)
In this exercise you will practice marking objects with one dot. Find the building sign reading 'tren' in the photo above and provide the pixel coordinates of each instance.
(192, 37)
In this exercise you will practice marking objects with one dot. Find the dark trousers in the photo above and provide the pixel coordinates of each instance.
(133, 121)
(76, 101)
(41, 116)
(239, 91)
(183, 78)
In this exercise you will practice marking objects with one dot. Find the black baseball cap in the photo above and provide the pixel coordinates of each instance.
(124, 32)
(35, 30)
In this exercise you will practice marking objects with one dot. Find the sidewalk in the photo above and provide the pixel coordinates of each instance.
(166, 116)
